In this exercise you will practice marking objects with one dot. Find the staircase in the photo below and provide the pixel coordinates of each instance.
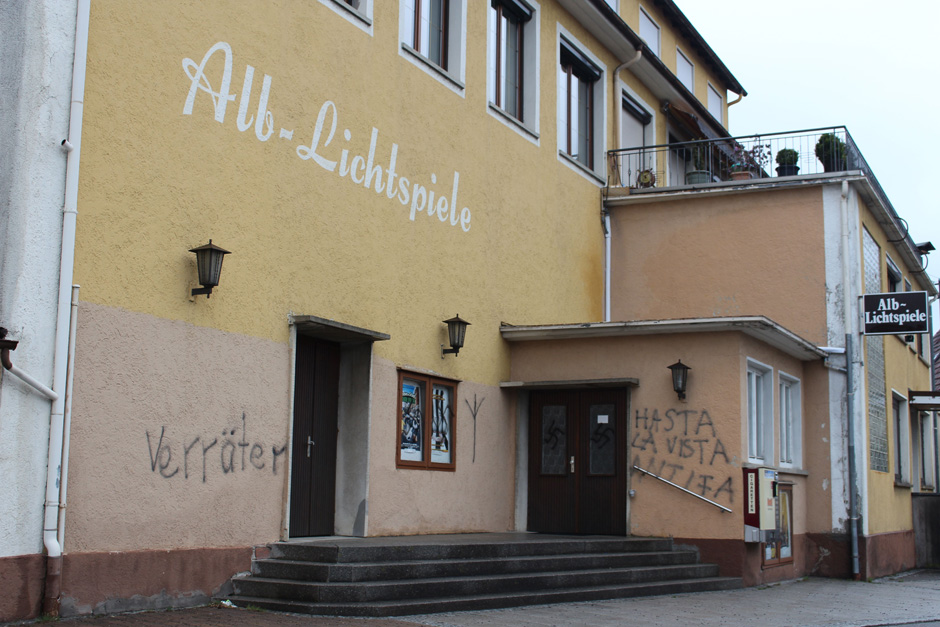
(398, 576)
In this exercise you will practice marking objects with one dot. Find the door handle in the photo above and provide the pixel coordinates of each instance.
(310, 445)
(572, 464)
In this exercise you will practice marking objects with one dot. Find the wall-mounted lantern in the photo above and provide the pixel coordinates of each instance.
(209, 264)
(456, 330)
(680, 378)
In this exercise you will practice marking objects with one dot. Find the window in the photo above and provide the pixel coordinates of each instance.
(791, 428)
(685, 71)
(636, 130)
(902, 472)
(780, 550)
(358, 12)
(426, 422)
(715, 103)
(512, 75)
(875, 364)
(432, 34)
(649, 31)
(578, 79)
(759, 413)
(894, 275)
(922, 432)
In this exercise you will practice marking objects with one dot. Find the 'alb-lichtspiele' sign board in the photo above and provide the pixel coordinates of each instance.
(895, 313)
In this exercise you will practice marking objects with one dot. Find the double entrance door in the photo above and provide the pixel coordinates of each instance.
(577, 461)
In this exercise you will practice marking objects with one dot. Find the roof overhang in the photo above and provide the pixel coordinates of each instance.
(758, 327)
(333, 331)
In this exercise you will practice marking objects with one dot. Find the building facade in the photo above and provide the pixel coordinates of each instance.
(452, 161)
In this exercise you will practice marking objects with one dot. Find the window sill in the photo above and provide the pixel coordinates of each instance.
(513, 121)
(580, 166)
(362, 17)
(434, 67)
(783, 470)
(902, 485)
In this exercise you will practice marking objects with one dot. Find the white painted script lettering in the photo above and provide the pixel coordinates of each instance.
(362, 169)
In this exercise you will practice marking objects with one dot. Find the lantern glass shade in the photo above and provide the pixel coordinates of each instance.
(209, 265)
(680, 378)
(456, 331)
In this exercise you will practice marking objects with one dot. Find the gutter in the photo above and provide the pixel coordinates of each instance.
(57, 435)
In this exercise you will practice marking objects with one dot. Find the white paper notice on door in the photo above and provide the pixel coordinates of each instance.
(602, 419)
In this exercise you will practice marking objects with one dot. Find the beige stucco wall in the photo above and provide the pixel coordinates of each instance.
(699, 443)
(177, 436)
(477, 496)
(722, 255)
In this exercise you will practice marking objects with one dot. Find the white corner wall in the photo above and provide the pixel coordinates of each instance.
(36, 50)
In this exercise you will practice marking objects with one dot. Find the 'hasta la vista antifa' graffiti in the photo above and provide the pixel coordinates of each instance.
(682, 446)
(199, 456)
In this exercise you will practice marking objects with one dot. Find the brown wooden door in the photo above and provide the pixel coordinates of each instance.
(577, 462)
(313, 454)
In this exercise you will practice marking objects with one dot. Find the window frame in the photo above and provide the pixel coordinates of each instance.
(572, 53)
(525, 118)
(790, 419)
(358, 12)
(759, 412)
(777, 545)
(718, 114)
(681, 55)
(451, 68)
(429, 382)
(900, 420)
(659, 32)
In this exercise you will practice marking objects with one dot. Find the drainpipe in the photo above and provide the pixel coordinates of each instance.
(736, 100)
(847, 310)
(604, 211)
(66, 270)
(70, 375)
(5, 348)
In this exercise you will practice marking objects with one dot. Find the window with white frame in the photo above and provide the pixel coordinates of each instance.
(512, 54)
(358, 12)
(790, 421)
(649, 31)
(894, 275)
(759, 413)
(925, 451)
(715, 103)
(902, 445)
(636, 130)
(580, 104)
(435, 32)
(685, 71)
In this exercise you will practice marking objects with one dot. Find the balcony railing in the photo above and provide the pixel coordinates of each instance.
(796, 153)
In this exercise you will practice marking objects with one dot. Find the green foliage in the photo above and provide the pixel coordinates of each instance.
(787, 156)
(830, 150)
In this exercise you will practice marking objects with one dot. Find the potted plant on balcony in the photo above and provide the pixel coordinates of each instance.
(786, 162)
(700, 162)
(749, 162)
(830, 150)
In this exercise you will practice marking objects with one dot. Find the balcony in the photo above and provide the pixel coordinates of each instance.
(745, 160)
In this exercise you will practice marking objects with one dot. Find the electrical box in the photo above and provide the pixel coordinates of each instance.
(760, 504)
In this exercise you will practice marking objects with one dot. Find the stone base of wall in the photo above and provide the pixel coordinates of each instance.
(830, 554)
(21, 580)
(104, 583)
(736, 558)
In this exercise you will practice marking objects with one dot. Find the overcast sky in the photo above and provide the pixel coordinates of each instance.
(867, 65)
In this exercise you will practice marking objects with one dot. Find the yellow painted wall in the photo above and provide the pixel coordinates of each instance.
(889, 505)
(156, 182)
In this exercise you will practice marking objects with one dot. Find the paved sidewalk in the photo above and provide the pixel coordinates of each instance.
(912, 597)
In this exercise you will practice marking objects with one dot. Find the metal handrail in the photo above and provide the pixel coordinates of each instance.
(698, 496)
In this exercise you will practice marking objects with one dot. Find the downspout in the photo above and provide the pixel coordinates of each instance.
(736, 100)
(70, 375)
(847, 310)
(5, 347)
(50, 534)
(604, 211)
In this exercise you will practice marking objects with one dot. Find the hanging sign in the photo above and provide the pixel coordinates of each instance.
(895, 313)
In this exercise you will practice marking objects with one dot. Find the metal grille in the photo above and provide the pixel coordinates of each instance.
(875, 366)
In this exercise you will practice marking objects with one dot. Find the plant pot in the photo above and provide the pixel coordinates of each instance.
(788, 170)
(696, 177)
(741, 175)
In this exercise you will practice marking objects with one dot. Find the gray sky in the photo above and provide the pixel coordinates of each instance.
(867, 65)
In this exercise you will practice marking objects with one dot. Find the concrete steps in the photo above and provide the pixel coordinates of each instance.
(416, 575)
